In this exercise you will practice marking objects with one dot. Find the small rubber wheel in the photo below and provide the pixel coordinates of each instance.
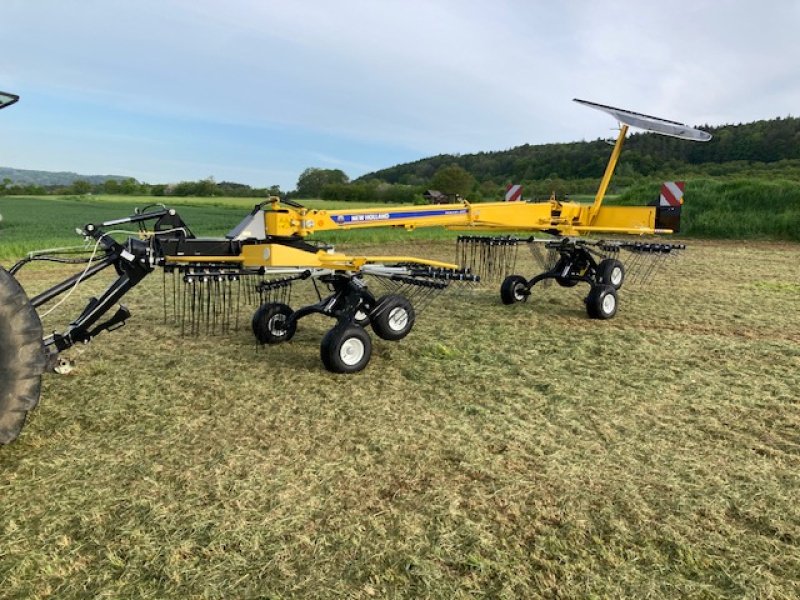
(271, 324)
(611, 272)
(345, 349)
(393, 317)
(602, 302)
(22, 357)
(514, 289)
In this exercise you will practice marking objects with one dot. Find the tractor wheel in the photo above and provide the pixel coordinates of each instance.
(514, 289)
(393, 317)
(22, 357)
(345, 349)
(271, 323)
(602, 302)
(611, 272)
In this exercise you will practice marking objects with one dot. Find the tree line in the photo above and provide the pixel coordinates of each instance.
(644, 154)
(131, 187)
(767, 148)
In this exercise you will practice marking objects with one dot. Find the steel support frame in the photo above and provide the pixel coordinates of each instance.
(350, 294)
(575, 264)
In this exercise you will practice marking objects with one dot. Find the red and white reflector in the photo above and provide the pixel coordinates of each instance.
(513, 192)
(672, 193)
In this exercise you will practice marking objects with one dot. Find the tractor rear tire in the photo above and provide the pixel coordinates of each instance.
(22, 357)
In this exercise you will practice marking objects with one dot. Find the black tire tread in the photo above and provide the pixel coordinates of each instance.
(604, 270)
(594, 300)
(22, 357)
(261, 318)
(328, 348)
(379, 319)
(507, 288)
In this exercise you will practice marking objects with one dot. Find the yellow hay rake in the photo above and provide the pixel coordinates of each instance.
(263, 257)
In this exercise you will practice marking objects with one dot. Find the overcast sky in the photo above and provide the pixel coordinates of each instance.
(256, 91)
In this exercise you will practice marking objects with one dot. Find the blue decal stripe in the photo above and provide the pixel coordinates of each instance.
(412, 214)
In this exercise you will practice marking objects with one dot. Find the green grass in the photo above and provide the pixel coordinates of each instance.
(499, 452)
(735, 209)
(509, 452)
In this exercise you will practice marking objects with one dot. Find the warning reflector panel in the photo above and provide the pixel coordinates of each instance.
(672, 193)
(513, 192)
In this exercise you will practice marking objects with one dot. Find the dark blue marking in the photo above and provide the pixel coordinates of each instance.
(386, 216)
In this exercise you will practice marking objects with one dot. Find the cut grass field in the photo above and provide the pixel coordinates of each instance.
(500, 452)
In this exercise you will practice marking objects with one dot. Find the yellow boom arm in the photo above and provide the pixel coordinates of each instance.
(561, 218)
(283, 256)
(292, 222)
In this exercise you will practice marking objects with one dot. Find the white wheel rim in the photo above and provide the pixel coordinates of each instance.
(609, 303)
(277, 325)
(398, 318)
(352, 351)
(616, 276)
(360, 315)
(518, 295)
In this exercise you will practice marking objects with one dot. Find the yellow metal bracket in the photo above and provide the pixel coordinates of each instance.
(612, 164)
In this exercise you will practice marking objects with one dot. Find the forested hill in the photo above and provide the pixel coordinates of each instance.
(49, 178)
(644, 154)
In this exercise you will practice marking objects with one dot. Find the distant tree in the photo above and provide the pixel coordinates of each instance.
(312, 180)
(185, 188)
(206, 187)
(111, 186)
(452, 179)
(233, 185)
(490, 191)
(80, 187)
(129, 187)
(30, 189)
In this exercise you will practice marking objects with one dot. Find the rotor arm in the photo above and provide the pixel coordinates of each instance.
(132, 268)
(133, 260)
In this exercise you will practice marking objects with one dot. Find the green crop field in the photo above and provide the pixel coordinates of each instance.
(31, 223)
(498, 452)
(756, 208)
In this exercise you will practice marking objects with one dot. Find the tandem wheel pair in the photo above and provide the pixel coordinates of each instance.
(605, 279)
(346, 347)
